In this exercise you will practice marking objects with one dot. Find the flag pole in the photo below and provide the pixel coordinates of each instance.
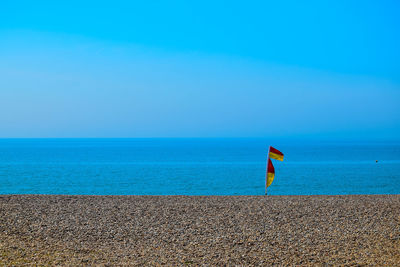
(266, 173)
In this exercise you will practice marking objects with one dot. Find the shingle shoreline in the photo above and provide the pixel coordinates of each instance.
(199, 230)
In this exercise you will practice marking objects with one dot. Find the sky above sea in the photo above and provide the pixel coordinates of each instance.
(286, 69)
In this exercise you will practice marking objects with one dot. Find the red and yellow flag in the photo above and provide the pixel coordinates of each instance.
(270, 172)
(275, 154)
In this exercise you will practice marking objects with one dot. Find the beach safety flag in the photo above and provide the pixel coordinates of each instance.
(270, 172)
(275, 154)
(272, 154)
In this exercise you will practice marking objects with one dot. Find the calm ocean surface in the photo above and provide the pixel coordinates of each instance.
(195, 167)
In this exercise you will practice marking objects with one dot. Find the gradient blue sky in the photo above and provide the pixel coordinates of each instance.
(314, 69)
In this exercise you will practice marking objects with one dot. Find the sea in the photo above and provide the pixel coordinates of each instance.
(196, 166)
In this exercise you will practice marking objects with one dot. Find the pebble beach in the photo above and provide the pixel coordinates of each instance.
(199, 230)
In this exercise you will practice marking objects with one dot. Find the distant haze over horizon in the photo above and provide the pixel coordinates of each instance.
(289, 70)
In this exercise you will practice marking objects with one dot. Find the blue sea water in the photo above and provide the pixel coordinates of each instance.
(195, 167)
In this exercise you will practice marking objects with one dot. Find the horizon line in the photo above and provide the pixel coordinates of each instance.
(379, 139)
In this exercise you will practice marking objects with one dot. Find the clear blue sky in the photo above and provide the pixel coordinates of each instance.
(318, 69)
